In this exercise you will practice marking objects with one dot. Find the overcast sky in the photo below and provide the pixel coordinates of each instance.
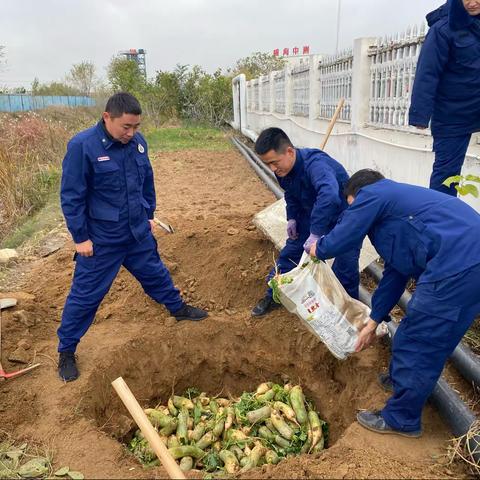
(43, 38)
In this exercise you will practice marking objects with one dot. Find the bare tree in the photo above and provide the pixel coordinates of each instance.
(82, 77)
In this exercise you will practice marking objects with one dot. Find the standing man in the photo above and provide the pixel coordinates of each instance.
(433, 238)
(447, 86)
(108, 200)
(313, 184)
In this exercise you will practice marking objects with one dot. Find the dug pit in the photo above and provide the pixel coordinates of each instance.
(225, 358)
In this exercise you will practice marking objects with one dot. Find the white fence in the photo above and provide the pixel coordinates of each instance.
(336, 82)
(392, 70)
(391, 64)
(376, 79)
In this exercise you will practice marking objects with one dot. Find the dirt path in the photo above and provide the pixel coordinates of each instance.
(219, 261)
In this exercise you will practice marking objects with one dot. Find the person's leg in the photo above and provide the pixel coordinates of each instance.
(438, 316)
(92, 279)
(449, 157)
(347, 271)
(145, 264)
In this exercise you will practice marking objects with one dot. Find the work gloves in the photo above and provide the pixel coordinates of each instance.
(292, 229)
(310, 241)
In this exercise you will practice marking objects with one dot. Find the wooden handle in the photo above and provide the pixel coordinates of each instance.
(332, 122)
(145, 426)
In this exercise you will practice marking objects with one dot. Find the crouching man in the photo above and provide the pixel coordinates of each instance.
(313, 183)
(433, 238)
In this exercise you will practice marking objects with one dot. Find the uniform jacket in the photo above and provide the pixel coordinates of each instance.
(107, 190)
(447, 81)
(314, 190)
(420, 233)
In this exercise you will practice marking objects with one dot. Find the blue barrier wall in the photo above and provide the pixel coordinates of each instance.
(22, 103)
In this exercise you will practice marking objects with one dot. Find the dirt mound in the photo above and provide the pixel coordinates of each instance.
(220, 262)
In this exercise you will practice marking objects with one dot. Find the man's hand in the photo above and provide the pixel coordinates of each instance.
(309, 242)
(152, 225)
(366, 335)
(313, 249)
(292, 229)
(85, 249)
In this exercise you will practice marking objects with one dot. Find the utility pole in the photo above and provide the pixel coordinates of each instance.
(338, 24)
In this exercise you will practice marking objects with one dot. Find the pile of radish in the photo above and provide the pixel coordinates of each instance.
(234, 435)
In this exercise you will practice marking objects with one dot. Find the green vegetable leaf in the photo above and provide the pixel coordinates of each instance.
(454, 179)
(472, 178)
(191, 393)
(468, 189)
(273, 284)
(212, 462)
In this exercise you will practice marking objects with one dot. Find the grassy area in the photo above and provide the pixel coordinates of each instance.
(41, 191)
(182, 138)
(42, 221)
(32, 145)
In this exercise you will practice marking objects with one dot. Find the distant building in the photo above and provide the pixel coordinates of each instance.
(138, 56)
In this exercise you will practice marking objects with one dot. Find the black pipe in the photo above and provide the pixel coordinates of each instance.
(450, 406)
(465, 361)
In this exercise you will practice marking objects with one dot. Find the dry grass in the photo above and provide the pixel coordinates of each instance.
(32, 146)
(467, 448)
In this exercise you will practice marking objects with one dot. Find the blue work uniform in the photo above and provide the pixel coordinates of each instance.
(314, 198)
(433, 238)
(446, 89)
(108, 197)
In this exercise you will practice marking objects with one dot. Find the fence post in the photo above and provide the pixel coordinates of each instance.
(236, 103)
(272, 91)
(260, 93)
(288, 91)
(360, 82)
(314, 89)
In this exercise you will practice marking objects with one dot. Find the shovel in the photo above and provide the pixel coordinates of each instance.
(4, 304)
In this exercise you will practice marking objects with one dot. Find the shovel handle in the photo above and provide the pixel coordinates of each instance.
(145, 426)
(332, 123)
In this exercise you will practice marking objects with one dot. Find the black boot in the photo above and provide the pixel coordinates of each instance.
(264, 306)
(187, 312)
(385, 382)
(67, 366)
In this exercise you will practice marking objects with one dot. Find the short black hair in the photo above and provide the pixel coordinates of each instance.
(361, 179)
(121, 103)
(272, 139)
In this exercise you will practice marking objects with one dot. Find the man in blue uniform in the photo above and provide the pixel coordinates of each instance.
(108, 200)
(313, 184)
(433, 238)
(447, 86)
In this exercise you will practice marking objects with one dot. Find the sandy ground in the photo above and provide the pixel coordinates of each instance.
(219, 261)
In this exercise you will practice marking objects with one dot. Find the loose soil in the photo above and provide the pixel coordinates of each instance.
(219, 261)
